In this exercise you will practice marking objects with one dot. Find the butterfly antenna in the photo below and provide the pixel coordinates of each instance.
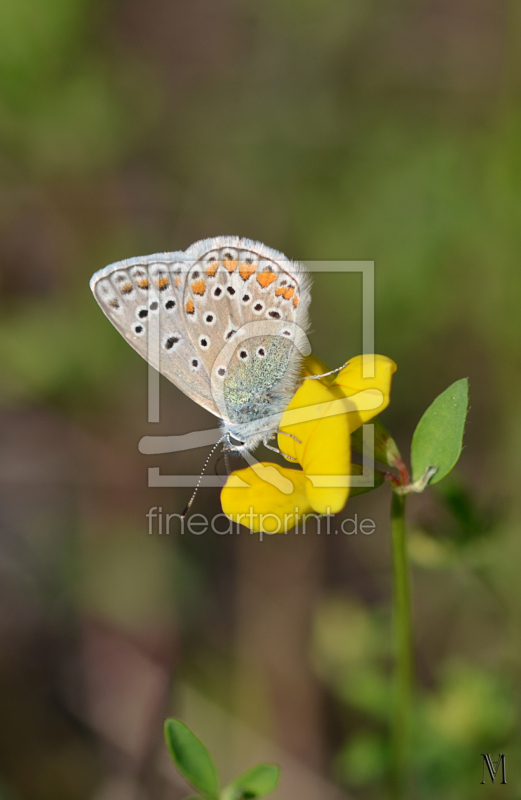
(210, 454)
(325, 374)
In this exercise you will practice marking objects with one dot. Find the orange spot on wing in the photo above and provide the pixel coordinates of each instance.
(211, 269)
(162, 283)
(280, 291)
(126, 288)
(143, 283)
(190, 308)
(230, 264)
(288, 294)
(199, 287)
(266, 277)
(246, 271)
(295, 301)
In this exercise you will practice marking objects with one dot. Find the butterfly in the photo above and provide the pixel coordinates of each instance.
(225, 321)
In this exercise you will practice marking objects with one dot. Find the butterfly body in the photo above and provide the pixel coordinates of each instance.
(225, 321)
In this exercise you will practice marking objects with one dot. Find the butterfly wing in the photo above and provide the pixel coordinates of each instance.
(143, 298)
(185, 311)
(232, 284)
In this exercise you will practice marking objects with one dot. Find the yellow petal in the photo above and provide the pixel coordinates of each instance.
(315, 431)
(370, 394)
(319, 441)
(266, 498)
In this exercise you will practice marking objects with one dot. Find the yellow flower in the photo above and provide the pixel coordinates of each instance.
(315, 431)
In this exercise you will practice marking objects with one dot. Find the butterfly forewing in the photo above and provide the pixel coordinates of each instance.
(143, 299)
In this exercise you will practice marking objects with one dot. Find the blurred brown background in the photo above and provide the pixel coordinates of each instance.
(352, 129)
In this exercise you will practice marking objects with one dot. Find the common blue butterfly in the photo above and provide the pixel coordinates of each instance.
(225, 321)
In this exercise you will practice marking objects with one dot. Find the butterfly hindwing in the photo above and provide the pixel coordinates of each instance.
(143, 298)
(242, 291)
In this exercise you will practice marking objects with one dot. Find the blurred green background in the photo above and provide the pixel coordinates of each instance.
(353, 129)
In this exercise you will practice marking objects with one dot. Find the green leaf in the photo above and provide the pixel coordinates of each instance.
(256, 782)
(385, 449)
(438, 438)
(191, 758)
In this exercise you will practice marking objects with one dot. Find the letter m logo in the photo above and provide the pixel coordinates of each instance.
(493, 766)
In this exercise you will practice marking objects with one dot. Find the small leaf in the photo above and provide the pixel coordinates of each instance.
(438, 438)
(191, 757)
(385, 449)
(256, 782)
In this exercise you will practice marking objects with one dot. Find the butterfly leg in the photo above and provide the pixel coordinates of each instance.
(223, 457)
(324, 374)
(276, 449)
(291, 436)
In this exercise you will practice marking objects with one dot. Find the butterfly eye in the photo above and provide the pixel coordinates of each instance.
(246, 298)
(243, 355)
(217, 292)
(273, 313)
(170, 305)
(234, 442)
(230, 290)
(209, 319)
(154, 305)
(194, 364)
(286, 333)
(204, 342)
(170, 342)
(258, 307)
(138, 329)
(142, 313)
(261, 352)
(221, 372)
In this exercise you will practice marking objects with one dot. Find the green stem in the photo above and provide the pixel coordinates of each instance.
(403, 679)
